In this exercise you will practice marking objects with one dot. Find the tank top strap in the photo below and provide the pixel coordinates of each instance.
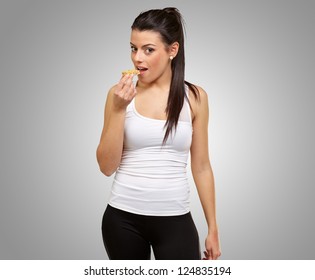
(185, 115)
(187, 102)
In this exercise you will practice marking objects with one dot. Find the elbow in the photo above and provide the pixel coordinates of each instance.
(201, 168)
(107, 172)
(104, 167)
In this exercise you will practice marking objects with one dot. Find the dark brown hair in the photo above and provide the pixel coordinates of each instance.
(168, 22)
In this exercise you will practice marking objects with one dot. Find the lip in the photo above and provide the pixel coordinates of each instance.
(142, 69)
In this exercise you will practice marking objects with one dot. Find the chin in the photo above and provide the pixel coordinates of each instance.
(145, 80)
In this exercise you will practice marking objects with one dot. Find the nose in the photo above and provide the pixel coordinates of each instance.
(138, 56)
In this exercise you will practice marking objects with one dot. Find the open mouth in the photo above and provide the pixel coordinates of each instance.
(142, 69)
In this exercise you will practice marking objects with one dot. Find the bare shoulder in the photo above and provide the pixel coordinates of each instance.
(110, 94)
(199, 105)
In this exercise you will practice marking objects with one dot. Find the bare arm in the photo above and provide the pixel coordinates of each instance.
(110, 148)
(202, 173)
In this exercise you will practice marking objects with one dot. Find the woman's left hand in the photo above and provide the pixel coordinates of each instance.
(212, 243)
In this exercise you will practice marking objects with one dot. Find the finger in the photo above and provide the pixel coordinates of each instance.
(130, 94)
(210, 254)
(128, 82)
(216, 255)
(123, 86)
(123, 81)
(130, 89)
(128, 85)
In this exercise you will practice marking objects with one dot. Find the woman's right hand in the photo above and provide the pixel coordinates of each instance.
(124, 92)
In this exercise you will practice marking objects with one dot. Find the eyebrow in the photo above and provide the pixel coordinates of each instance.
(144, 46)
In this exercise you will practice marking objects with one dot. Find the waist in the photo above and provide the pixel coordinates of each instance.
(149, 196)
(152, 181)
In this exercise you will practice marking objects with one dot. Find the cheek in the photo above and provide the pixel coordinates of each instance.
(154, 58)
(159, 61)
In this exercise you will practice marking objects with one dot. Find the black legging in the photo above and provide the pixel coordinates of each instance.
(129, 236)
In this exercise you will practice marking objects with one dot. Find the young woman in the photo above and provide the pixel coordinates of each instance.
(149, 130)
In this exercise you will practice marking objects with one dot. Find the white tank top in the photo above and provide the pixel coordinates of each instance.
(151, 178)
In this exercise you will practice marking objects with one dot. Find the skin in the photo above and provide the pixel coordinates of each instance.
(151, 93)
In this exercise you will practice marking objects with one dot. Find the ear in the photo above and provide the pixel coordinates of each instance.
(173, 49)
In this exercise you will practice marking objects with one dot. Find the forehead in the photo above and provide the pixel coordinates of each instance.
(145, 37)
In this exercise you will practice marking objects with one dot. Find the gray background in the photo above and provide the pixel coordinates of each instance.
(254, 58)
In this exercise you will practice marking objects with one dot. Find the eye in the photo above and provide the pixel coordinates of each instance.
(149, 50)
(133, 49)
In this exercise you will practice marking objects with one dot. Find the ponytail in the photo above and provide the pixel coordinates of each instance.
(169, 23)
